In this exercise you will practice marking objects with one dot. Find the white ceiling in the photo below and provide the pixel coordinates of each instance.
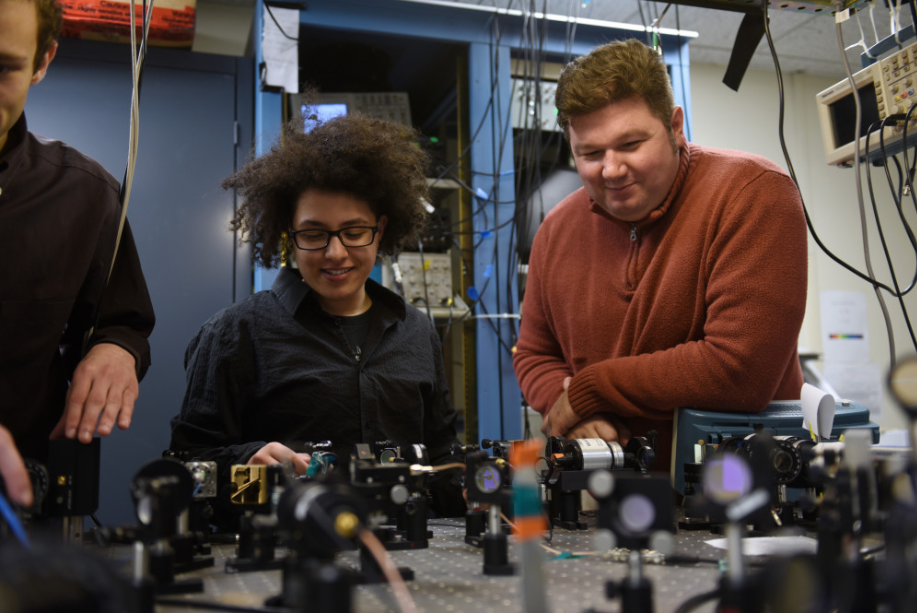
(805, 41)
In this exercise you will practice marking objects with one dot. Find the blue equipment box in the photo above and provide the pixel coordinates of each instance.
(780, 418)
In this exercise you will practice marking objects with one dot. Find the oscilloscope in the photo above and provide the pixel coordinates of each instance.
(886, 87)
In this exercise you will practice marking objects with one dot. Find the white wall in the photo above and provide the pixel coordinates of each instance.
(748, 120)
(223, 27)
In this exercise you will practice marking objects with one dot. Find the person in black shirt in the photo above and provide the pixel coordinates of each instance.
(327, 353)
(59, 218)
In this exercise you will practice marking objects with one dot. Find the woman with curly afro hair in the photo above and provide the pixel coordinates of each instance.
(327, 354)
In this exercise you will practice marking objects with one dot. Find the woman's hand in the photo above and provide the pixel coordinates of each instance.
(278, 453)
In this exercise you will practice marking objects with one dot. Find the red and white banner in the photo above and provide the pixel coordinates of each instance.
(171, 25)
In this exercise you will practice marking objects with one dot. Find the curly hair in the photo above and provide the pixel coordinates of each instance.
(613, 72)
(50, 20)
(374, 160)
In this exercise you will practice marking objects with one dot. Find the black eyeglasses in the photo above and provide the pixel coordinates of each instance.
(354, 236)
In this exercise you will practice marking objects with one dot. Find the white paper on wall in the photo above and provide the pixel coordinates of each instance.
(280, 48)
(845, 334)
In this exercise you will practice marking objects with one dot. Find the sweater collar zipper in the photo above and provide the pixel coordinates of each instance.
(633, 232)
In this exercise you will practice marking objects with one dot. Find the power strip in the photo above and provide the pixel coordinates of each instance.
(435, 269)
(526, 97)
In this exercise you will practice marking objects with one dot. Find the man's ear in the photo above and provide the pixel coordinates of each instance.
(678, 127)
(43, 65)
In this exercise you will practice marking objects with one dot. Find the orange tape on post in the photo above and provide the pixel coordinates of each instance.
(171, 25)
(529, 519)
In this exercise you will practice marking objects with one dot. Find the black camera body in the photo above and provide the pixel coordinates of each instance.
(68, 484)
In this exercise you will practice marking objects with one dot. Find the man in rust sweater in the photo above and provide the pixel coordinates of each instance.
(675, 278)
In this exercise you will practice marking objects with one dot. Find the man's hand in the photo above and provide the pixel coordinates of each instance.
(277, 453)
(18, 485)
(561, 417)
(103, 391)
(606, 426)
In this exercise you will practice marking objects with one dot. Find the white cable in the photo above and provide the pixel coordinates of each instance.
(862, 41)
(131, 154)
(872, 18)
(134, 130)
(859, 185)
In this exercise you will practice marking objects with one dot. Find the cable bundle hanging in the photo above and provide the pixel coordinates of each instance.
(869, 276)
(138, 57)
